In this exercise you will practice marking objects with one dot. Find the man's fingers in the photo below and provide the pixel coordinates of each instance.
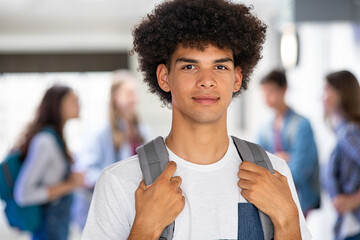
(177, 180)
(248, 166)
(280, 176)
(244, 184)
(141, 189)
(245, 175)
(169, 170)
(142, 185)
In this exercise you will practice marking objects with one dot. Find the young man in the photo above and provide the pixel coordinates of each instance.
(196, 55)
(289, 135)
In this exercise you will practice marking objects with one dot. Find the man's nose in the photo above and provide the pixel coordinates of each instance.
(206, 79)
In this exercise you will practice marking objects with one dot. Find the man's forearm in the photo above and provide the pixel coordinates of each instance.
(287, 224)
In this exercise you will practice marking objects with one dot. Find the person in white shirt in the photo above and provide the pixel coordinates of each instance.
(196, 55)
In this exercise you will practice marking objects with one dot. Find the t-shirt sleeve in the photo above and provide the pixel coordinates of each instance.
(107, 219)
(281, 166)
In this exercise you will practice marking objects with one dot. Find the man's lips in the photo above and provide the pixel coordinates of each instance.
(206, 100)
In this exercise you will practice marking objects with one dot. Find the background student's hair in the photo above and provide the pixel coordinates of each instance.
(276, 76)
(48, 114)
(347, 87)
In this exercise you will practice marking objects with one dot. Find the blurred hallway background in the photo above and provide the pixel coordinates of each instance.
(80, 42)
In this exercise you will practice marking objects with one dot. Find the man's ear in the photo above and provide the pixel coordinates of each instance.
(238, 79)
(162, 75)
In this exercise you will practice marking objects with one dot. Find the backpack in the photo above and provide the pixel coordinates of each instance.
(153, 157)
(26, 218)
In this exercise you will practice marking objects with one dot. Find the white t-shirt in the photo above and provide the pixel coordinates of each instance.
(211, 199)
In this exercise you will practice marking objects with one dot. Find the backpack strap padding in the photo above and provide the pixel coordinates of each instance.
(254, 153)
(154, 157)
(260, 156)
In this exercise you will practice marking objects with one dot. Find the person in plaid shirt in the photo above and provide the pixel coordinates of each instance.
(342, 109)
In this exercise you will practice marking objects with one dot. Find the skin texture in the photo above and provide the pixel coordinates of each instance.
(201, 84)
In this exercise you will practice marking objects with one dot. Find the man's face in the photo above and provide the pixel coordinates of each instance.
(201, 83)
(274, 95)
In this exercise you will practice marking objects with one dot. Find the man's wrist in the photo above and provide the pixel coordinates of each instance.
(287, 230)
(287, 226)
(142, 230)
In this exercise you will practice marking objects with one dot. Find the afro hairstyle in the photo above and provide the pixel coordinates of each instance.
(197, 24)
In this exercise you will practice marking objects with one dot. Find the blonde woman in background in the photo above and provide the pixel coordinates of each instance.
(115, 141)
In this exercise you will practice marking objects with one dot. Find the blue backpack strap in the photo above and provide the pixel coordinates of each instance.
(153, 157)
(55, 134)
(254, 153)
(9, 169)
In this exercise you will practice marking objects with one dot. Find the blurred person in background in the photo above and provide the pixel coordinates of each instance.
(290, 136)
(46, 178)
(117, 139)
(341, 102)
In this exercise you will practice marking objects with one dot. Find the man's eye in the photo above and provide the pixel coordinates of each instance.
(221, 67)
(188, 67)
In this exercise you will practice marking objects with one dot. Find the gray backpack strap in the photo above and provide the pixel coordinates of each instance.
(153, 157)
(254, 153)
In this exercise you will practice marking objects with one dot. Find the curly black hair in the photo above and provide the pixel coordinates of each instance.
(196, 24)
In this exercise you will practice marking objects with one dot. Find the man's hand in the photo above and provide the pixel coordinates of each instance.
(271, 194)
(157, 205)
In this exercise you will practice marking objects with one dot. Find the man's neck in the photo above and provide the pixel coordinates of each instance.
(281, 110)
(197, 142)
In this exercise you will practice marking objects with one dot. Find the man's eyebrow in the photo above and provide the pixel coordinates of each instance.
(222, 60)
(187, 60)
